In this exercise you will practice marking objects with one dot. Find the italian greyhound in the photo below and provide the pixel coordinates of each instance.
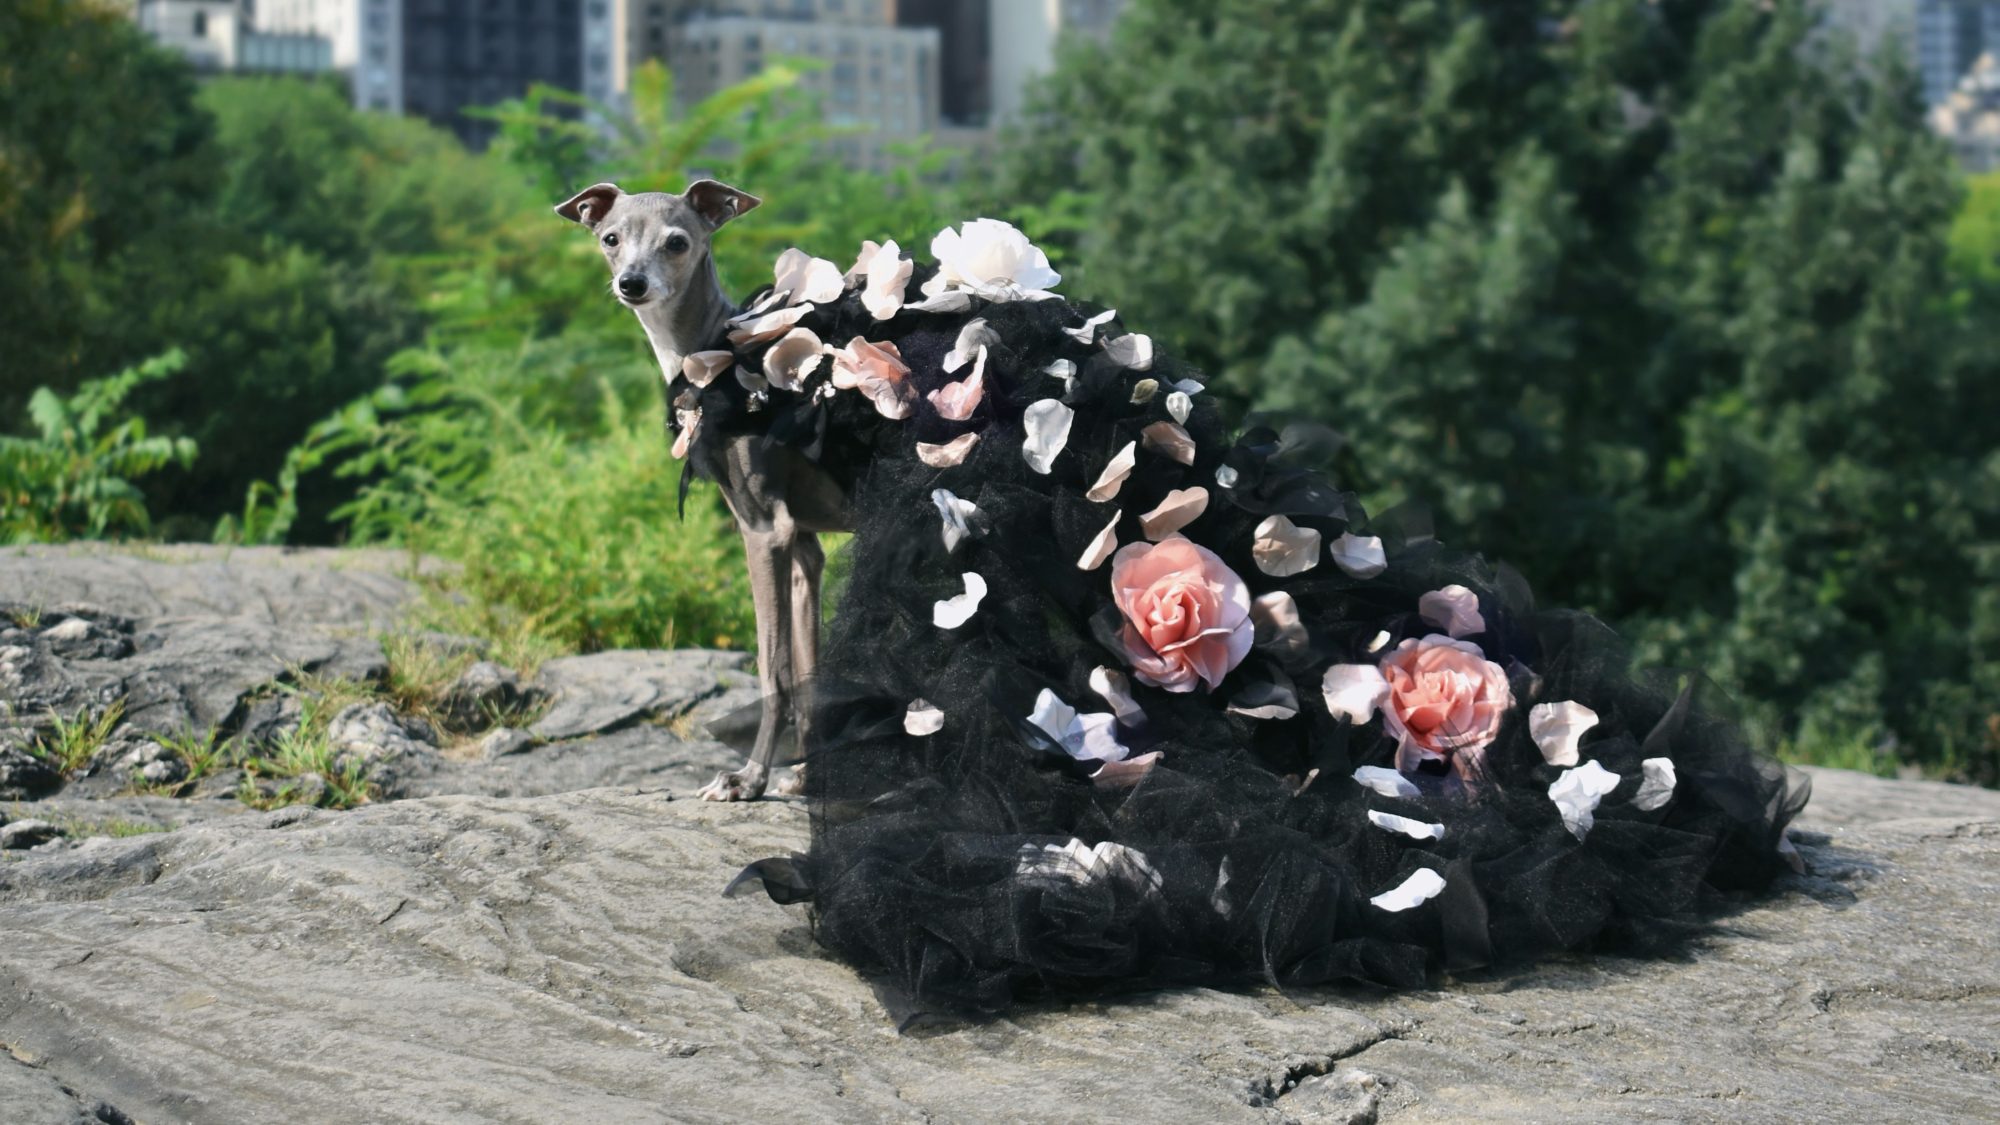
(657, 245)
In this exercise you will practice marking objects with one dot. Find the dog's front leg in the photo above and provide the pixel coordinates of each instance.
(807, 563)
(768, 550)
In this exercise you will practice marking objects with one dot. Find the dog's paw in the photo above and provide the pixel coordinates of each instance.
(791, 783)
(746, 784)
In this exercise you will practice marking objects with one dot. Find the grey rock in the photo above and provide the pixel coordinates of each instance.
(606, 690)
(503, 741)
(20, 834)
(268, 718)
(390, 751)
(481, 693)
(289, 587)
(568, 958)
(29, 1096)
(24, 776)
(87, 633)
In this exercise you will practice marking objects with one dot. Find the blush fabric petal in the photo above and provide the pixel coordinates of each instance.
(1113, 477)
(793, 359)
(1102, 545)
(1169, 440)
(770, 326)
(957, 401)
(1453, 609)
(1359, 556)
(1283, 548)
(975, 335)
(1557, 727)
(1181, 507)
(701, 368)
(1354, 691)
(948, 455)
(1277, 629)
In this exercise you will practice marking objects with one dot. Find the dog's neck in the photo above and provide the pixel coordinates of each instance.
(689, 323)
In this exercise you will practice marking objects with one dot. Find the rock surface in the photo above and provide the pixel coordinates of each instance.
(568, 958)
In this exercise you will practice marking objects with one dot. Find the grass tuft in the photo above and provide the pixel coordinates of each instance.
(71, 742)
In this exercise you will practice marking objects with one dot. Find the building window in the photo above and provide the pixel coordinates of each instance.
(201, 25)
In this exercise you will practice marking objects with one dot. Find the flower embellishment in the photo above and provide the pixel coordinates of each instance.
(990, 259)
(1187, 615)
(877, 371)
(1440, 698)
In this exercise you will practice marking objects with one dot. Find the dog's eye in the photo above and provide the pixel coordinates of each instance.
(611, 240)
(677, 244)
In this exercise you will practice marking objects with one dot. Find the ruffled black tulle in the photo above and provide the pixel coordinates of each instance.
(1246, 852)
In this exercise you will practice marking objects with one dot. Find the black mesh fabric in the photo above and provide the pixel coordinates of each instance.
(1246, 852)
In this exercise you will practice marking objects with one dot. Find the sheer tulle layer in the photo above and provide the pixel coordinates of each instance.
(981, 863)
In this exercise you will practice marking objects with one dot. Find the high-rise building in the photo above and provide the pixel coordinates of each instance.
(1024, 35)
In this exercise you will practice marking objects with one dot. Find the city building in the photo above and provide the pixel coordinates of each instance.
(1023, 35)
(208, 32)
(1969, 117)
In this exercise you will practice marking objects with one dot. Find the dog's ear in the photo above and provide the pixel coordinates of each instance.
(590, 205)
(718, 202)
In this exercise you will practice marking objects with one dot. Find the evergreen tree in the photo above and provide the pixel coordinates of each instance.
(1647, 299)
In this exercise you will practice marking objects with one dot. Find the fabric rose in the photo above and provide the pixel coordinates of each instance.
(991, 259)
(1187, 615)
(1445, 701)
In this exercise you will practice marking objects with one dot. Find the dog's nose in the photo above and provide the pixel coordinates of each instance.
(632, 286)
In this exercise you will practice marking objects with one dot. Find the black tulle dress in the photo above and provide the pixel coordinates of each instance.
(1115, 697)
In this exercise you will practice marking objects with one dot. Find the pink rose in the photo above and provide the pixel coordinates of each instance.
(1187, 615)
(1445, 701)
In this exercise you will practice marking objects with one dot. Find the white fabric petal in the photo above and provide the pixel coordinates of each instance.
(1422, 886)
(1577, 792)
(858, 272)
(1656, 784)
(1102, 546)
(1283, 548)
(1062, 369)
(701, 368)
(1113, 477)
(1169, 440)
(1188, 386)
(1453, 609)
(1216, 899)
(949, 454)
(1386, 782)
(947, 302)
(1376, 643)
(752, 381)
(823, 282)
(1091, 737)
(1268, 712)
(792, 360)
(1088, 332)
(1133, 350)
(1353, 691)
(922, 719)
(770, 326)
(1112, 686)
(1047, 423)
(975, 335)
(1181, 507)
(1275, 619)
(1359, 556)
(957, 516)
(1077, 863)
(1179, 406)
(992, 259)
(1414, 829)
(955, 611)
(1556, 727)
(888, 279)
(1125, 774)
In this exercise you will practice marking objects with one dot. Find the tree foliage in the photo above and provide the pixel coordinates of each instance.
(1650, 300)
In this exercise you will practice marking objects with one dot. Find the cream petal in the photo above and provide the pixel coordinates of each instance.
(975, 335)
(793, 359)
(1264, 712)
(1115, 689)
(1125, 774)
(789, 272)
(1076, 863)
(957, 401)
(955, 611)
(759, 307)
(1188, 386)
(948, 301)
(1386, 782)
(822, 282)
(1179, 406)
(690, 423)
(1047, 423)
(948, 455)
(1656, 784)
(1113, 477)
(859, 270)
(1101, 546)
(1181, 507)
(1453, 609)
(768, 327)
(888, 279)
(1144, 390)
(1354, 691)
(1376, 642)
(1414, 829)
(1283, 548)
(752, 381)
(1422, 886)
(1577, 792)
(1133, 350)
(1088, 332)
(701, 368)
(922, 719)
(1169, 440)
(1275, 616)
(1359, 556)
(1062, 369)
(1556, 727)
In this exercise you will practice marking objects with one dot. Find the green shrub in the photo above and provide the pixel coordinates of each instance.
(74, 478)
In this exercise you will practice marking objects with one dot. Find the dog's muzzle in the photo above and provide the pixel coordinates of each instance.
(632, 286)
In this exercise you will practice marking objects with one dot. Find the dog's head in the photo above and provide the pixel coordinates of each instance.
(654, 241)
